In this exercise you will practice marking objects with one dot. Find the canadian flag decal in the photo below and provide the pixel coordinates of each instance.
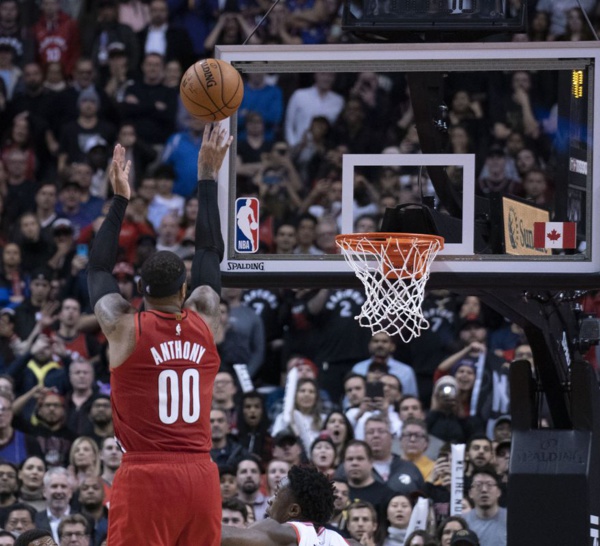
(555, 235)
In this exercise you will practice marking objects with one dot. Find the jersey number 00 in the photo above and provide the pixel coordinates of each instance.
(175, 398)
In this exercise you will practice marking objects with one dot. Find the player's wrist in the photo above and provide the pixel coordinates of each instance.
(119, 196)
(206, 173)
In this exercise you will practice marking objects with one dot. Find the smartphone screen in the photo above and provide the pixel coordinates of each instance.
(374, 389)
(82, 250)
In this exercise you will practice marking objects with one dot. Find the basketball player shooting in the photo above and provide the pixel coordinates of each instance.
(163, 363)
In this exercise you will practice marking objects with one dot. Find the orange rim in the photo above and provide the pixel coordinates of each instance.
(403, 241)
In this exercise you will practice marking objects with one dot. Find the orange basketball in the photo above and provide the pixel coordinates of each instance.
(211, 89)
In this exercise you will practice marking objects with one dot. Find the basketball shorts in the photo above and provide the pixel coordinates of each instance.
(165, 499)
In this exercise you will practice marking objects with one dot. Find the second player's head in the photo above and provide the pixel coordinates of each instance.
(163, 276)
(305, 494)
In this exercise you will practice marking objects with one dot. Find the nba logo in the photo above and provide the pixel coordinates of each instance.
(246, 224)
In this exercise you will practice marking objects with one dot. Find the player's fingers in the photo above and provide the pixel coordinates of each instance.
(216, 131)
(122, 157)
(222, 136)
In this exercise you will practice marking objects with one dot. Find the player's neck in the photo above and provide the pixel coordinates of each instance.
(166, 307)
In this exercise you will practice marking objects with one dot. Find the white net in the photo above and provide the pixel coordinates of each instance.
(394, 268)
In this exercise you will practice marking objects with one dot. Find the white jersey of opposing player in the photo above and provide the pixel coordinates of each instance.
(307, 535)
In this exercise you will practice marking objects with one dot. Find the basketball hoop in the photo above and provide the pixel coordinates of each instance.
(394, 268)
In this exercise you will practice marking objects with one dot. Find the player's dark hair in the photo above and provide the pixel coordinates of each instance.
(313, 492)
(31, 535)
(163, 273)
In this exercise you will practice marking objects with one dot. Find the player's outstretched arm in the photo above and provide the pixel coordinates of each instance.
(206, 273)
(106, 300)
(266, 531)
(235, 536)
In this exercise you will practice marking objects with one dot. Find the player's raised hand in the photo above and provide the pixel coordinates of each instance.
(215, 144)
(119, 173)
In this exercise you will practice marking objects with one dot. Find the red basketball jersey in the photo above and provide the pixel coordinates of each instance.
(161, 395)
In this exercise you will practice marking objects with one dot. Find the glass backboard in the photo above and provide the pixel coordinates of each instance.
(529, 125)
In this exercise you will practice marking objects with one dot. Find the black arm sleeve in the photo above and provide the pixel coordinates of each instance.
(209, 240)
(103, 254)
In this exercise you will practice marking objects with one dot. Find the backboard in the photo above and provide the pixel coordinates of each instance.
(490, 224)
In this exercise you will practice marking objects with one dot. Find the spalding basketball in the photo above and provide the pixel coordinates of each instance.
(211, 89)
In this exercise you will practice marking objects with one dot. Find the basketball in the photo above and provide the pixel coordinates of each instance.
(211, 89)
(253, 225)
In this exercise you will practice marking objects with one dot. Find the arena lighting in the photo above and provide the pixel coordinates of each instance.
(391, 17)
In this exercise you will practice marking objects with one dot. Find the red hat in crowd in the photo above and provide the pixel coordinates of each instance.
(303, 361)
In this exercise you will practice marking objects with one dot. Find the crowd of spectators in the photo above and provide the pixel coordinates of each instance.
(376, 415)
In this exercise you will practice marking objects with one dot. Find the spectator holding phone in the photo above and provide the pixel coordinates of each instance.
(437, 485)
(442, 419)
(373, 404)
